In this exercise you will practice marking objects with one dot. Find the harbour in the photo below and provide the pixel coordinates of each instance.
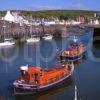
(85, 79)
(49, 50)
(20, 27)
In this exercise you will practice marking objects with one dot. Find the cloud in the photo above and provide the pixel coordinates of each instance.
(79, 6)
(74, 6)
(43, 7)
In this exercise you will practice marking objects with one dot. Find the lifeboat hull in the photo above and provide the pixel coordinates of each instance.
(25, 91)
(19, 91)
(74, 58)
(29, 89)
(41, 89)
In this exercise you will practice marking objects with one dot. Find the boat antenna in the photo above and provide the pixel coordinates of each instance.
(75, 39)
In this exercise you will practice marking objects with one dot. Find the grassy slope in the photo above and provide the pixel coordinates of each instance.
(62, 14)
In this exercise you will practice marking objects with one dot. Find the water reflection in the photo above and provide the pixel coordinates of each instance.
(87, 70)
(96, 50)
(8, 54)
(80, 61)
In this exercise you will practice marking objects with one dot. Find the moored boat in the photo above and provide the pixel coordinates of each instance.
(33, 39)
(47, 37)
(37, 79)
(7, 42)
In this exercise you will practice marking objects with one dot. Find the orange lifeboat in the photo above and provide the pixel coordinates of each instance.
(74, 52)
(37, 79)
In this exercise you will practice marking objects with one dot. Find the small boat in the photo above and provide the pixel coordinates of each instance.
(33, 39)
(47, 37)
(74, 52)
(7, 42)
(36, 79)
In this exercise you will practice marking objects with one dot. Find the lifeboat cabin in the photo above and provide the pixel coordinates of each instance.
(73, 52)
(37, 79)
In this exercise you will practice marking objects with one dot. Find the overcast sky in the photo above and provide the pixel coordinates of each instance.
(49, 4)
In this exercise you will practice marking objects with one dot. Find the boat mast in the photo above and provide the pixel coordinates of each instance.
(4, 26)
(30, 26)
(42, 25)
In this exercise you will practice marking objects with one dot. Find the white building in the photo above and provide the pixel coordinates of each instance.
(17, 18)
(94, 22)
(14, 17)
(63, 22)
(8, 17)
(48, 23)
(75, 22)
(72, 22)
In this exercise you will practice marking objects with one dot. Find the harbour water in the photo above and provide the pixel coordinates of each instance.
(86, 75)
